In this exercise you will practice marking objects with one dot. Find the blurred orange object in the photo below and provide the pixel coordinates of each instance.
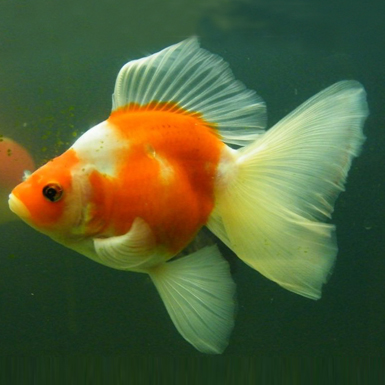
(14, 160)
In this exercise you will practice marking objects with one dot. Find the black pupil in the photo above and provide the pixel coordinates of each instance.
(52, 193)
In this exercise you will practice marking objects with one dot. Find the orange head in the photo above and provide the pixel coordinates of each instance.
(49, 199)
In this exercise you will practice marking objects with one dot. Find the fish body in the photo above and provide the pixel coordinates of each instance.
(183, 148)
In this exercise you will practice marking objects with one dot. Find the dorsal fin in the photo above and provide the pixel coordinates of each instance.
(198, 81)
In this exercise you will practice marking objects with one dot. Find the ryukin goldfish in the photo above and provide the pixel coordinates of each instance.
(185, 147)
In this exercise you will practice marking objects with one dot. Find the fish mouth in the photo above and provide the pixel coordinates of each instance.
(18, 207)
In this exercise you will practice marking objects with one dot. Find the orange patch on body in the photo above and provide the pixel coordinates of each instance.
(167, 176)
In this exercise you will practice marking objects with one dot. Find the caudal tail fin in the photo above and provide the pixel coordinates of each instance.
(272, 214)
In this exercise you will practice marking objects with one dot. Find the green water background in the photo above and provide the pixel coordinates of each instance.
(58, 63)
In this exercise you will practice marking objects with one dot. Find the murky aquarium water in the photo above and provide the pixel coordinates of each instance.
(58, 66)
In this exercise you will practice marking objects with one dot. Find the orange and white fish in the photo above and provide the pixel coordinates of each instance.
(134, 190)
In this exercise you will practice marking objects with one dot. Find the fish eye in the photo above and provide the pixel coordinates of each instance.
(53, 192)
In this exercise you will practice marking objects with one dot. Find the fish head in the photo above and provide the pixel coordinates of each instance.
(51, 199)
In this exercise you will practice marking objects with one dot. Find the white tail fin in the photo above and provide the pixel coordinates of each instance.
(198, 292)
(286, 184)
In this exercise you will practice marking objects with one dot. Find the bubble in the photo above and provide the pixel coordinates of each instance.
(368, 224)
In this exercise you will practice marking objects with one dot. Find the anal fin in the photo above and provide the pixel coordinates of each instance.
(198, 293)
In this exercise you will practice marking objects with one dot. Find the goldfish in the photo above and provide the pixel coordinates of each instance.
(14, 161)
(184, 147)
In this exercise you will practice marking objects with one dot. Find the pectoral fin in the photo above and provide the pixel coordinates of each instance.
(136, 250)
